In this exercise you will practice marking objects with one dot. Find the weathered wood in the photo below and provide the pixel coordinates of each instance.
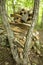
(23, 25)
(15, 15)
(22, 16)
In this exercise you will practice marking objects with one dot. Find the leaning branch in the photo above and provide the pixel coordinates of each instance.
(28, 44)
(9, 31)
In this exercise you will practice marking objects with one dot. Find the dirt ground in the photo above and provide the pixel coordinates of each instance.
(5, 56)
(7, 59)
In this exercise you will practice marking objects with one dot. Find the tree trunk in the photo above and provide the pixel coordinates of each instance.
(9, 31)
(28, 44)
(42, 20)
(13, 6)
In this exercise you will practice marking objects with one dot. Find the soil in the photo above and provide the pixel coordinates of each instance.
(5, 56)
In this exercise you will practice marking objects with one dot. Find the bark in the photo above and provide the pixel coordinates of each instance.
(9, 31)
(42, 20)
(13, 6)
(28, 44)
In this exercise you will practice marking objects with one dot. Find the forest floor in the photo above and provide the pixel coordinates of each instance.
(7, 59)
